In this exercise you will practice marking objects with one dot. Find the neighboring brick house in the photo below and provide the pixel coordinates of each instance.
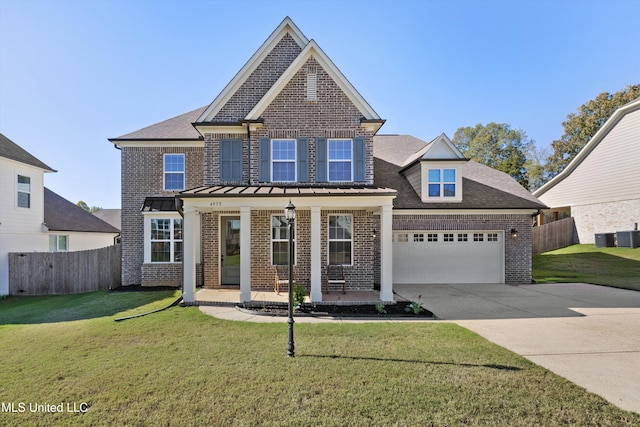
(203, 193)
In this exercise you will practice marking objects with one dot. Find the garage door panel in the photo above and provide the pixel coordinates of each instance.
(448, 257)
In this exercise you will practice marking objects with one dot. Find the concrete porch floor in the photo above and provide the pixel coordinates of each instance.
(232, 297)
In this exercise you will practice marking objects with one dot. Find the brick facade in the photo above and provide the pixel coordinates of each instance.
(142, 169)
(605, 218)
(290, 114)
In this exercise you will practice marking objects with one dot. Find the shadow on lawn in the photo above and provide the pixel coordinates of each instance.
(421, 362)
(592, 267)
(66, 308)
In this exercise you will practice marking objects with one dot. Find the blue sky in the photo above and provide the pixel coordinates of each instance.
(74, 73)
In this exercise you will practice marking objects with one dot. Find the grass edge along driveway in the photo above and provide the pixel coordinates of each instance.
(616, 267)
(181, 367)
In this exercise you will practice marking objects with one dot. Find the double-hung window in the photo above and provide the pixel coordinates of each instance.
(283, 160)
(340, 239)
(280, 241)
(166, 240)
(340, 160)
(442, 182)
(24, 191)
(174, 172)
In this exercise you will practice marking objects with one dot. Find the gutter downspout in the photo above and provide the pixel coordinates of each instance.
(248, 123)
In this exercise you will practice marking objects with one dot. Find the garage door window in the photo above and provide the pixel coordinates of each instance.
(492, 237)
(432, 237)
(448, 237)
(418, 237)
(463, 237)
(478, 237)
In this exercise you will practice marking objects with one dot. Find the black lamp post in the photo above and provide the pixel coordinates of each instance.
(290, 214)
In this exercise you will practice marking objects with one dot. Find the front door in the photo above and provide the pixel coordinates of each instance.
(230, 250)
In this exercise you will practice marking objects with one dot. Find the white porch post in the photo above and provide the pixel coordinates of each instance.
(191, 241)
(386, 253)
(245, 254)
(316, 255)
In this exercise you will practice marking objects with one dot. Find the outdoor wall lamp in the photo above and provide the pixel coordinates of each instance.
(374, 234)
(290, 214)
(514, 233)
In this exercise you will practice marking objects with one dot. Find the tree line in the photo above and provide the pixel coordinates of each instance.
(510, 150)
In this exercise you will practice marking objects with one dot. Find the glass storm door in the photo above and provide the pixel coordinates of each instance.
(230, 250)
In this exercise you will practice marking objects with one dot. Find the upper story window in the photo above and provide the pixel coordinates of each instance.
(283, 160)
(442, 183)
(24, 191)
(174, 172)
(340, 159)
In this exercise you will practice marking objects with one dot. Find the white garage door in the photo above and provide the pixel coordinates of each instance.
(448, 257)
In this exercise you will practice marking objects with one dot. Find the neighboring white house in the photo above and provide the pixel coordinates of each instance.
(600, 188)
(35, 219)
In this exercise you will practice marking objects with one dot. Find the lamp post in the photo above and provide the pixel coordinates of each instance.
(290, 214)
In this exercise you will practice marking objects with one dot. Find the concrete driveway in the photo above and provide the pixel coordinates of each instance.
(588, 334)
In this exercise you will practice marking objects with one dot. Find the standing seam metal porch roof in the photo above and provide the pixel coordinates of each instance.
(267, 191)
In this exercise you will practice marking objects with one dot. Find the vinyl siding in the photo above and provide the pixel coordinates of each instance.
(609, 173)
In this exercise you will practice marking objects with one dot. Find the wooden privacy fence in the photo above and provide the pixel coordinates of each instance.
(554, 235)
(61, 273)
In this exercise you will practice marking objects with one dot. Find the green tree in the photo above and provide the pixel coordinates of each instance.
(83, 205)
(86, 207)
(580, 126)
(498, 146)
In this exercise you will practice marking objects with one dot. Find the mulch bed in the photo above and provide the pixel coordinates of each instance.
(354, 310)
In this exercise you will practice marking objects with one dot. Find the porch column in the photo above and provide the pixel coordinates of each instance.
(386, 254)
(245, 254)
(190, 243)
(316, 255)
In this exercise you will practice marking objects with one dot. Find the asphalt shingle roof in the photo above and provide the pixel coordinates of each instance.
(482, 187)
(179, 127)
(62, 215)
(13, 151)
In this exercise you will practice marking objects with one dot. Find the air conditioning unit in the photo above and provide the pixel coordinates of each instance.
(628, 239)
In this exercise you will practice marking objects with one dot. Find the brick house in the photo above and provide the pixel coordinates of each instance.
(203, 193)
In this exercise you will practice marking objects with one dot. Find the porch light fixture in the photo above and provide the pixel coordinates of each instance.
(374, 234)
(290, 214)
(514, 233)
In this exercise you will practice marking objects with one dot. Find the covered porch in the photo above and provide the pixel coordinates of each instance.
(209, 213)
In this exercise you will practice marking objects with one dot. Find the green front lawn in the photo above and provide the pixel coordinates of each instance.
(180, 367)
(618, 267)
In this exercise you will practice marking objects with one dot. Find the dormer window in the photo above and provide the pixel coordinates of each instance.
(442, 183)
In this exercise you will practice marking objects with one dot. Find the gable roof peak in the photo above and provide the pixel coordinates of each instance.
(313, 50)
(442, 148)
(286, 27)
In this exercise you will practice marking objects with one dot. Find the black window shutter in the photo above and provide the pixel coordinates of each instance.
(303, 159)
(264, 159)
(359, 149)
(321, 159)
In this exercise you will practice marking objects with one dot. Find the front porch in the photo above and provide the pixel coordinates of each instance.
(237, 237)
(232, 297)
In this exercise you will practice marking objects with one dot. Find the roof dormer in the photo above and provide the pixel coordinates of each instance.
(440, 171)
